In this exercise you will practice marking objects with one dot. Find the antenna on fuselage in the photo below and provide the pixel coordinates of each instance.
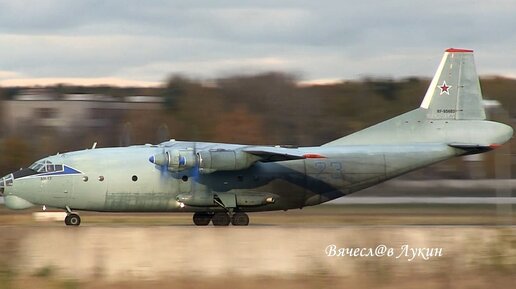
(94, 145)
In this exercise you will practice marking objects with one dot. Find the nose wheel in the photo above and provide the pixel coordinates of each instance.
(72, 220)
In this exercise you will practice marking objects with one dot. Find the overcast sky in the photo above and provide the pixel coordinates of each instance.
(143, 42)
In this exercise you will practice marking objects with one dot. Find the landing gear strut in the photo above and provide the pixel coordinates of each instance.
(72, 219)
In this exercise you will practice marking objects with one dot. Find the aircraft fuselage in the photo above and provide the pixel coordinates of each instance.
(123, 179)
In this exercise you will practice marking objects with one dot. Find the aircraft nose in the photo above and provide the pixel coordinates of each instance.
(11, 199)
(14, 202)
(4, 182)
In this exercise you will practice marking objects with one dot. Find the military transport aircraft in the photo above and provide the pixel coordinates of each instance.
(221, 183)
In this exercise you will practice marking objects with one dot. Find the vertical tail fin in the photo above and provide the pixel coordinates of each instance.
(454, 92)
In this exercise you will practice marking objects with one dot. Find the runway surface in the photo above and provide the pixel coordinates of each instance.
(133, 252)
(321, 247)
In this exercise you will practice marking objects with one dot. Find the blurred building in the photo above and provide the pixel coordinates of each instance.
(35, 110)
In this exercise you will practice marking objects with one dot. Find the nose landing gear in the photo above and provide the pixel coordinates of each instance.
(72, 219)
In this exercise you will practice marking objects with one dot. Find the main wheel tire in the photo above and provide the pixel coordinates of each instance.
(202, 219)
(73, 220)
(240, 219)
(221, 219)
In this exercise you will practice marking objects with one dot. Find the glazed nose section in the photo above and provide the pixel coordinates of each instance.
(6, 181)
(12, 201)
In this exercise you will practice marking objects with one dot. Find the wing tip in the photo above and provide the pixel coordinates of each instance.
(458, 50)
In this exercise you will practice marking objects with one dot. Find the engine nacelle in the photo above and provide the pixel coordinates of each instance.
(225, 160)
(208, 161)
(175, 160)
(181, 159)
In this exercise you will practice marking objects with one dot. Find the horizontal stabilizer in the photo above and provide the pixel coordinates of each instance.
(466, 145)
(471, 148)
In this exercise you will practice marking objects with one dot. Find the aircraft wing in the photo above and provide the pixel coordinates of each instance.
(275, 154)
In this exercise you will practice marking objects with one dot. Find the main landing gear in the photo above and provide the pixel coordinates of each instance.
(240, 219)
(221, 218)
(72, 219)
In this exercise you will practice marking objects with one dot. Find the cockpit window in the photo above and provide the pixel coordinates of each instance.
(35, 166)
(45, 167)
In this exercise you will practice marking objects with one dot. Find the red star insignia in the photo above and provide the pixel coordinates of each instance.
(445, 88)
